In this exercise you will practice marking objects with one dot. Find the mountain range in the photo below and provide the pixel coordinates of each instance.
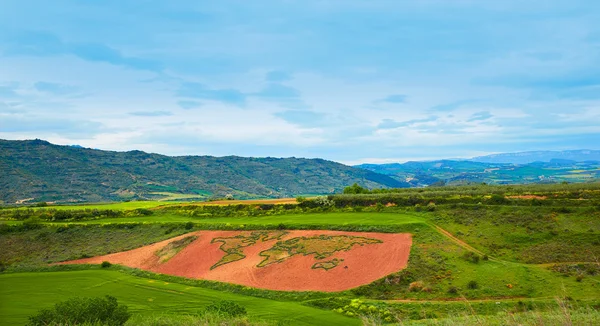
(36, 170)
(581, 155)
(460, 172)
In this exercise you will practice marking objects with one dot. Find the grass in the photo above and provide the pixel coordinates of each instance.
(114, 206)
(333, 218)
(174, 247)
(526, 234)
(557, 316)
(162, 319)
(45, 245)
(22, 294)
(233, 246)
(440, 265)
(517, 239)
(321, 246)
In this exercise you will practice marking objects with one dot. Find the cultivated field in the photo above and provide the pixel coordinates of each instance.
(478, 254)
(277, 260)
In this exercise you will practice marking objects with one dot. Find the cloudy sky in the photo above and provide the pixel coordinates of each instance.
(349, 80)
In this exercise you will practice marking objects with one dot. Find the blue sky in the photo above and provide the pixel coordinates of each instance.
(351, 81)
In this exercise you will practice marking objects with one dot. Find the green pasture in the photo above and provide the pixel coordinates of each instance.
(333, 218)
(114, 206)
(22, 294)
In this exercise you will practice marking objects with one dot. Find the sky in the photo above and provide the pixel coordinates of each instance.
(351, 81)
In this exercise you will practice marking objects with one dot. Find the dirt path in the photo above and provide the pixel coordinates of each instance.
(456, 240)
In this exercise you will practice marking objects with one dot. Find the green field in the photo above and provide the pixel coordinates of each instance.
(477, 251)
(334, 218)
(22, 294)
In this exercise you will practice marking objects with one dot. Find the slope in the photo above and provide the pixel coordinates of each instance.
(42, 171)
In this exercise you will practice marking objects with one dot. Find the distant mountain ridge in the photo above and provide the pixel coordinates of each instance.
(36, 170)
(510, 168)
(580, 155)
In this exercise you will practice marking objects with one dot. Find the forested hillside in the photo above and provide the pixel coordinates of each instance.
(36, 170)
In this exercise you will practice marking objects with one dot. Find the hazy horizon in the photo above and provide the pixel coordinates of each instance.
(347, 81)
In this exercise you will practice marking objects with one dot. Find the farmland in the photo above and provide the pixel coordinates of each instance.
(476, 251)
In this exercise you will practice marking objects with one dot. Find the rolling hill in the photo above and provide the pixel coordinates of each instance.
(457, 172)
(36, 170)
(581, 155)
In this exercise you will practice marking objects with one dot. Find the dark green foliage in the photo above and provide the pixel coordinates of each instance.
(497, 199)
(355, 189)
(559, 195)
(46, 244)
(472, 285)
(453, 173)
(227, 307)
(76, 311)
(471, 257)
(32, 223)
(105, 264)
(452, 290)
(37, 169)
(144, 211)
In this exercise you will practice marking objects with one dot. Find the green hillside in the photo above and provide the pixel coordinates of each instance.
(481, 255)
(450, 172)
(35, 170)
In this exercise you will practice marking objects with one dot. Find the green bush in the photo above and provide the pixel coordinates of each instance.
(471, 257)
(226, 307)
(32, 223)
(143, 211)
(472, 285)
(75, 311)
(105, 264)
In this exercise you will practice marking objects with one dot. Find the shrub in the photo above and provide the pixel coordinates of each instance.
(75, 311)
(416, 286)
(32, 223)
(143, 211)
(189, 225)
(431, 207)
(226, 307)
(497, 199)
(41, 204)
(453, 290)
(470, 256)
(105, 264)
(472, 285)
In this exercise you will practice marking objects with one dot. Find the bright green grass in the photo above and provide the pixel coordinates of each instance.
(114, 206)
(363, 219)
(526, 234)
(22, 294)
(170, 196)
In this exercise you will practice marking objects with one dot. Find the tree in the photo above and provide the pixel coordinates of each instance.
(76, 311)
(355, 189)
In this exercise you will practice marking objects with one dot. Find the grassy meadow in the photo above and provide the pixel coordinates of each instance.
(144, 297)
(478, 252)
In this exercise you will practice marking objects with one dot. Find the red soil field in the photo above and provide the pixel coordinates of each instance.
(361, 264)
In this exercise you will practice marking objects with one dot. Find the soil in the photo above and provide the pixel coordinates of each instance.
(361, 264)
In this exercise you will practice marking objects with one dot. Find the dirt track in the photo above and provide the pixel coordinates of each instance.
(365, 263)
